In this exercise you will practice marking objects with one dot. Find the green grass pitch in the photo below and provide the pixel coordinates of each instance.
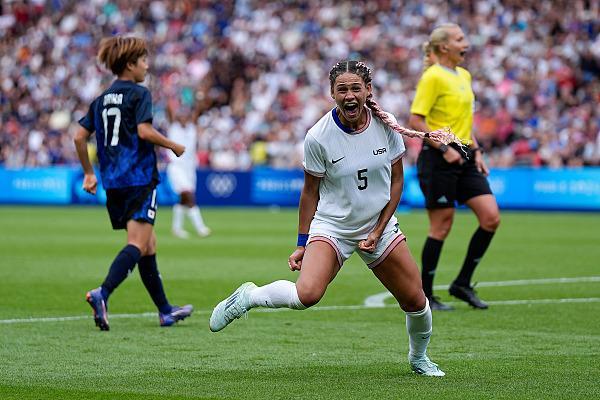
(539, 339)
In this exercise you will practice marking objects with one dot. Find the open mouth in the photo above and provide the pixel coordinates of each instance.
(463, 53)
(351, 109)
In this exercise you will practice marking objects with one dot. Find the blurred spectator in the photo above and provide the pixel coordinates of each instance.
(255, 67)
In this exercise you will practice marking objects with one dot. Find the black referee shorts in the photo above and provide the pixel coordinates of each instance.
(444, 184)
(134, 202)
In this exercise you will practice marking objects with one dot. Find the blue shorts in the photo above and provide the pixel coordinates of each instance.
(136, 202)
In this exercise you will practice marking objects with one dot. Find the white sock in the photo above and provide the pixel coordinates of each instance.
(178, 211)
(276, 295)
(419, 327)
(196, 217)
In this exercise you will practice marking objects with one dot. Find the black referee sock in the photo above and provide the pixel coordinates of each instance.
(479, 243)
(153, 283)
(123, 264)
(429, 261)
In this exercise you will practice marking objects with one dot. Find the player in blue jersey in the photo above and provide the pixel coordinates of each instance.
(121, 117)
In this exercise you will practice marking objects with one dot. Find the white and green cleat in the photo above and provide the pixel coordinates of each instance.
(232, 307)
(424, 366)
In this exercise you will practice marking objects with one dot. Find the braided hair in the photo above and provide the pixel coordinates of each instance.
(360, 68)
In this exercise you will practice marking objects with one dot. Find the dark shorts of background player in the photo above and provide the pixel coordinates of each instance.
(134, 202)
(444, 184)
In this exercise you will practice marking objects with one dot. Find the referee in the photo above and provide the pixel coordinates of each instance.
(447, 175)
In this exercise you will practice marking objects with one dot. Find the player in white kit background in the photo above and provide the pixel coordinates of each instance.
(182, 171)
(352, 186)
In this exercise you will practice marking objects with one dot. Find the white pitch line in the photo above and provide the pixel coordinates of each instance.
(322, 308)
(543, 301)
(523, 282)
(73, 318)
(494, 303)
(378, 300)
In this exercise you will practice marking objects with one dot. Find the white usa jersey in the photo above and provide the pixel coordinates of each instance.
(186, 135)
(355, 170)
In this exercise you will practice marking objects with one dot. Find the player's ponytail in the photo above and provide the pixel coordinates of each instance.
(427, 55)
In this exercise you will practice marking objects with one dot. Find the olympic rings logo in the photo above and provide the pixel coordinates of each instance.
(221, 185)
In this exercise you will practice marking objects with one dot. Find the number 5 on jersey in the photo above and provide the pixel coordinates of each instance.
(362, 178)
(108, 112)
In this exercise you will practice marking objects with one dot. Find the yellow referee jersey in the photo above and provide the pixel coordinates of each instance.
(445, 98)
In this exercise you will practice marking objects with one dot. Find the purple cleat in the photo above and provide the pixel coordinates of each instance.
(96, 301)
(176, 314)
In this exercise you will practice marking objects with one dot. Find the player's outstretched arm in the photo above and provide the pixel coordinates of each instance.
(147, 132)
(89, 179)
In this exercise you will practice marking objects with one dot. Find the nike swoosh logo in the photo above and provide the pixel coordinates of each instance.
(339, 159)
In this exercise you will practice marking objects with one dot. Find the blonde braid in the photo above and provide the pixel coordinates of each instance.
(443, 135)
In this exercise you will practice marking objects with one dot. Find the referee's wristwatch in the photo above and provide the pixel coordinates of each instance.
(443, 148)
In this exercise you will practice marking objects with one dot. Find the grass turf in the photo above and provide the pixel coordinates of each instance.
(49, 257)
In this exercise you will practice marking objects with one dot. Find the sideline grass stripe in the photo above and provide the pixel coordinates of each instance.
(323, 308)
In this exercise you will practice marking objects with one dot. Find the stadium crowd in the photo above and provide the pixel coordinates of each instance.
(256, 68)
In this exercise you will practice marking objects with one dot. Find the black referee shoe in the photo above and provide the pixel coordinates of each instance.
(468, 295)
(436, 304)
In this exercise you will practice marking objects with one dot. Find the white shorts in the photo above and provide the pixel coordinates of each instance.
(344, 248)
(181, 179)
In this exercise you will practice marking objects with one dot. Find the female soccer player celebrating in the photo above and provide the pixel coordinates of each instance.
(352, 185)
(447, 174)
(121, 117)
